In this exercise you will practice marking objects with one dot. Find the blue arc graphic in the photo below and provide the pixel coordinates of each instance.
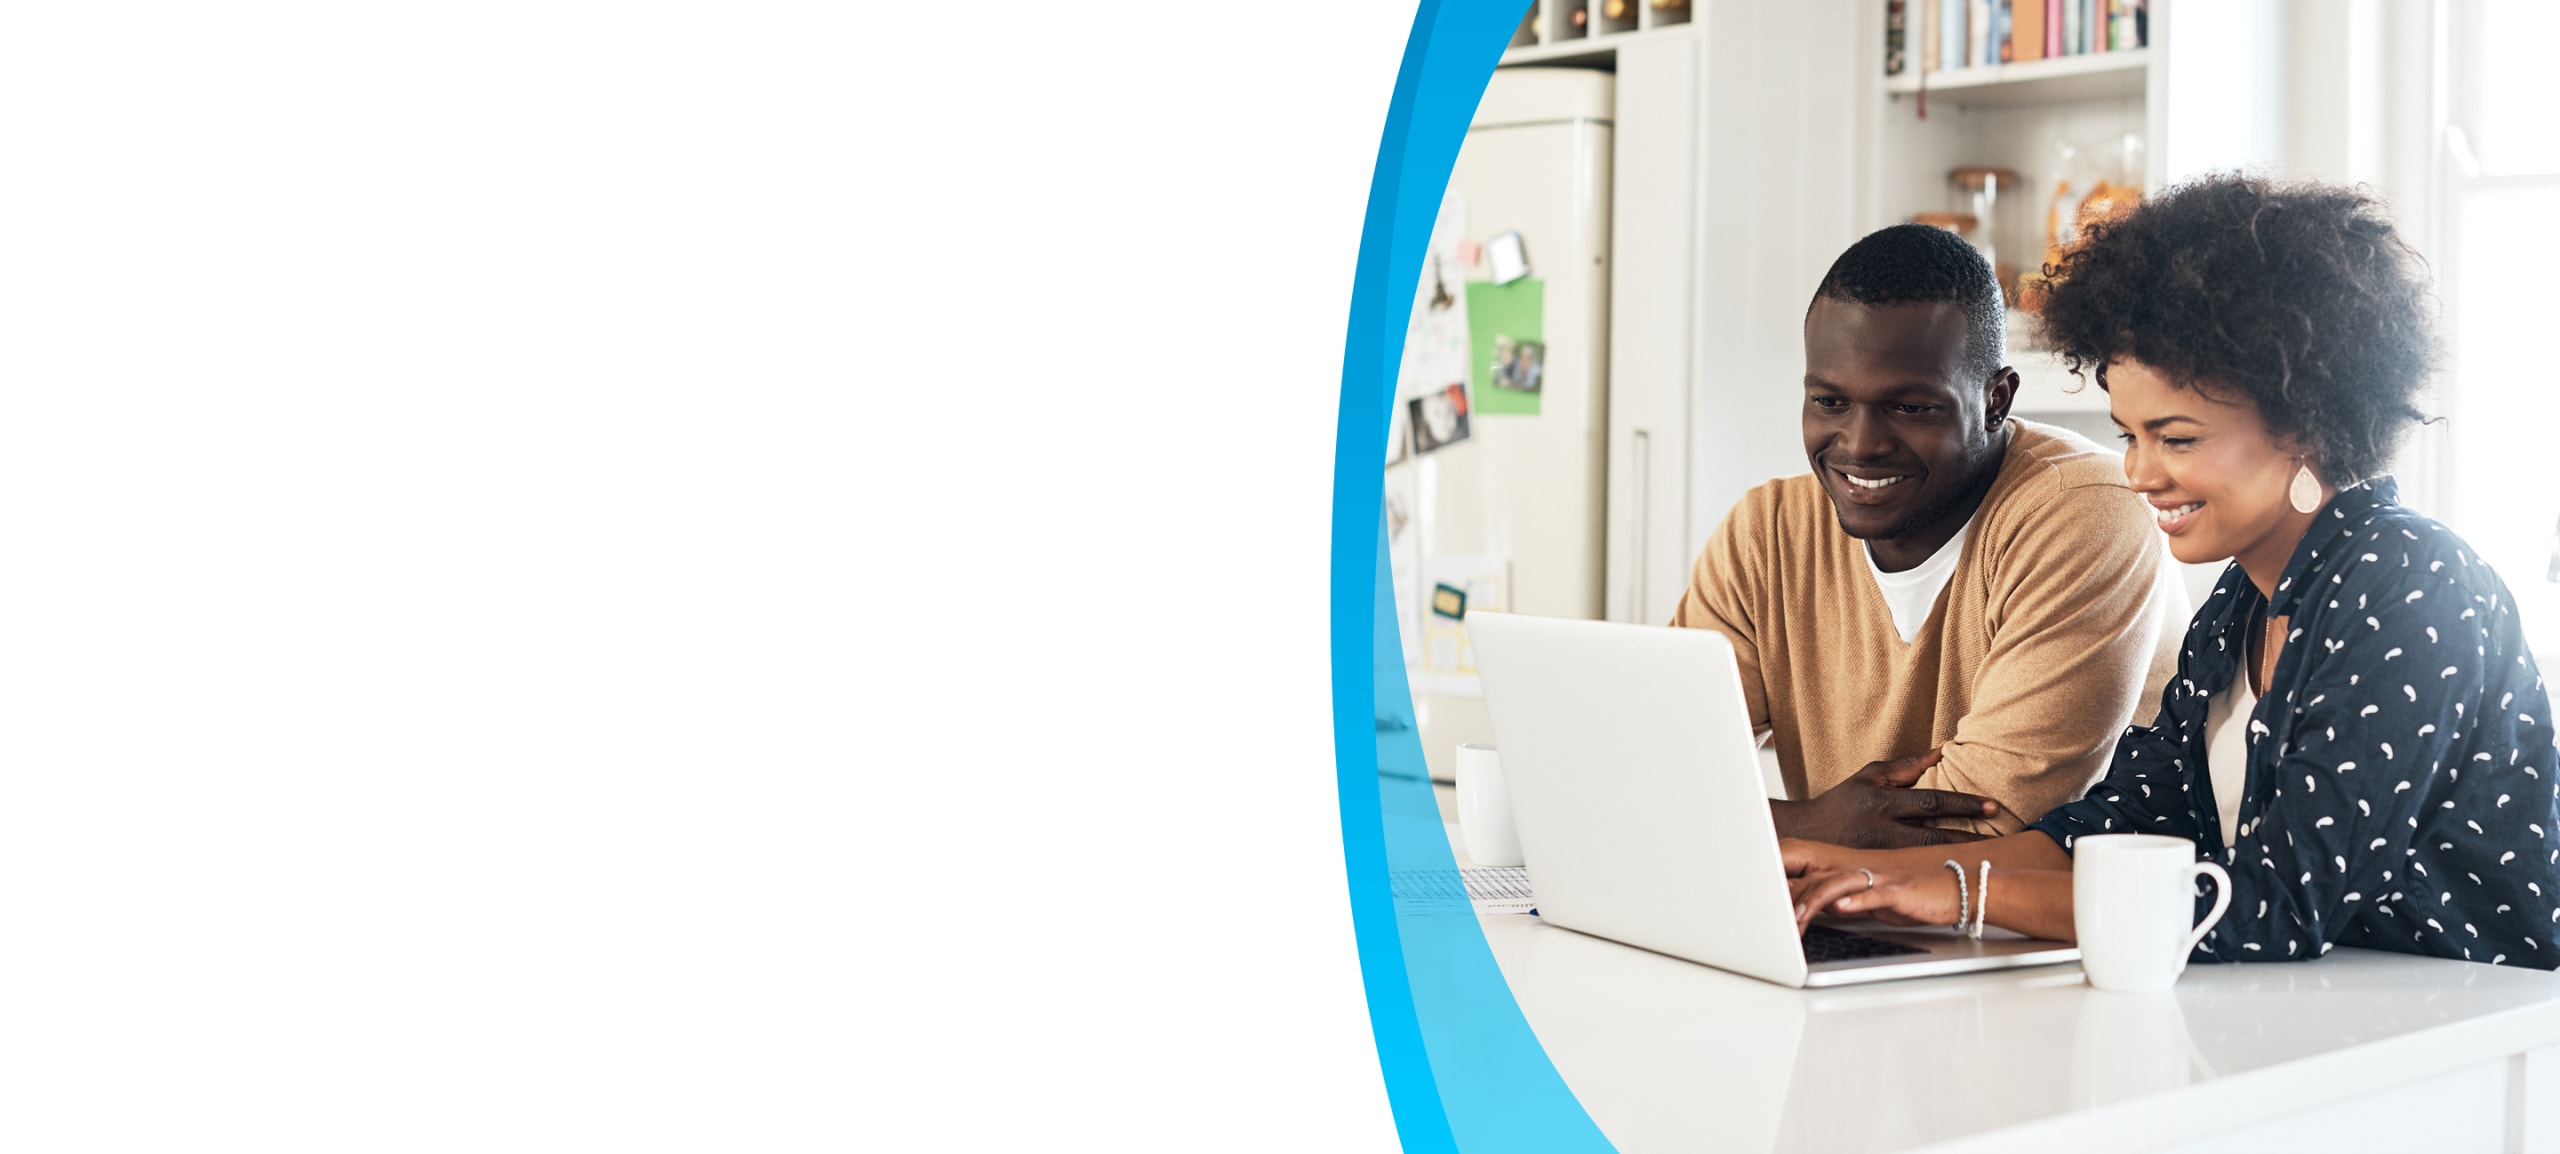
(1462, 1069)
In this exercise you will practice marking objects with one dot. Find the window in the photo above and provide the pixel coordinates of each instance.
(2499, 275)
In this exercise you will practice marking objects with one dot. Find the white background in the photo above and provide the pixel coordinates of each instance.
(706, 576)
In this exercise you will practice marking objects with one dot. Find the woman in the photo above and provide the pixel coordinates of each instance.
(2357, 731)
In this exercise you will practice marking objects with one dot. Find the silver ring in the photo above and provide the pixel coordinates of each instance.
(1871, 876)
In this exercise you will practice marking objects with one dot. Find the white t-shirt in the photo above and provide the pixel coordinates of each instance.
(1912, 593)
(2226, 750)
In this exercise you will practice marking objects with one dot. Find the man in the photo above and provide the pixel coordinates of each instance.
(1955, 608)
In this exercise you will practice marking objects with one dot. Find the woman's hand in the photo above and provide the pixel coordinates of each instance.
(1905, 891)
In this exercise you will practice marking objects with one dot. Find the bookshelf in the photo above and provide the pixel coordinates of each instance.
(2102, 76)
(2058, 123)
(2206, 91)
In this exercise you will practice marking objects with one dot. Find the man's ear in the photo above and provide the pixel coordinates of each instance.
(1998, 394)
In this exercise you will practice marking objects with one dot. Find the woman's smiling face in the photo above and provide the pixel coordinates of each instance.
(2216, 477)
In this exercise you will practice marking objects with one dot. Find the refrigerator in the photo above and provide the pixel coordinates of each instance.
(1496, 477)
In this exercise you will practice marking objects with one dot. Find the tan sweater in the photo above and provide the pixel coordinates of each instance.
(2062, 614)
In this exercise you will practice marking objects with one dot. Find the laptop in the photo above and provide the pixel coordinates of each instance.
(1628, 755)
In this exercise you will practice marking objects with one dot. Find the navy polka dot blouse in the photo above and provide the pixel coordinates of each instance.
(2401, 793)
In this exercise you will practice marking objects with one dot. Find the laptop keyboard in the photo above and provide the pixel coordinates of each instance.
(1824, 944)
(1484, 883)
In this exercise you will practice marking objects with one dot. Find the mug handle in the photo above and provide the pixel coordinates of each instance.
(2221, 903)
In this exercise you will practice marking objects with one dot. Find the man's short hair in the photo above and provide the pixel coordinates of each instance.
(1925, 264)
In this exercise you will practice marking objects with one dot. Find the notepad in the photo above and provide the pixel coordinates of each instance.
(1485, 890)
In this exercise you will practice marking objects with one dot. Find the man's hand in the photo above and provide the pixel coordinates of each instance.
(1877, 808)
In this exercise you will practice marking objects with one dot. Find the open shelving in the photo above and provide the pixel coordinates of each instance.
(2116, 75)
(1548, 34)
(2013, 116)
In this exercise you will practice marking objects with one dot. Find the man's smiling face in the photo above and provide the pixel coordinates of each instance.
(1901, 436)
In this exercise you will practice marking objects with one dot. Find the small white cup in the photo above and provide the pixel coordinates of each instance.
(1484, 808)
(2131, 897)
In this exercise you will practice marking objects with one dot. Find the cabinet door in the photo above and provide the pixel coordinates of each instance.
(1653, 302)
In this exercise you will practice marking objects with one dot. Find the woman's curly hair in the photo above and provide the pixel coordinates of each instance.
(2300, 297)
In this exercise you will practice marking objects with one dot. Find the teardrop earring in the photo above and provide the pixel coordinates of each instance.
(2305, 491)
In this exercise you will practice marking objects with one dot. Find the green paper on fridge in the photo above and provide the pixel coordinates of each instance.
(1506, 346)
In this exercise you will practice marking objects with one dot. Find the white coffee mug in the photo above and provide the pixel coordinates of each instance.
(1484, 809)
(2131, 897)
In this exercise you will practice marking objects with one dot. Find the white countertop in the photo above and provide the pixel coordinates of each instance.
(1669, 1055)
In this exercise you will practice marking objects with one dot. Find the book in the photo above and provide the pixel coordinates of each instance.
(1951, 30)
(1895, 14)
(1978, 44)
(2000, 20)
(2053, 27)
(2026, 30)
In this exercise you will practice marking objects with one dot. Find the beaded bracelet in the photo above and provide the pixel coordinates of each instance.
(1964, 896)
